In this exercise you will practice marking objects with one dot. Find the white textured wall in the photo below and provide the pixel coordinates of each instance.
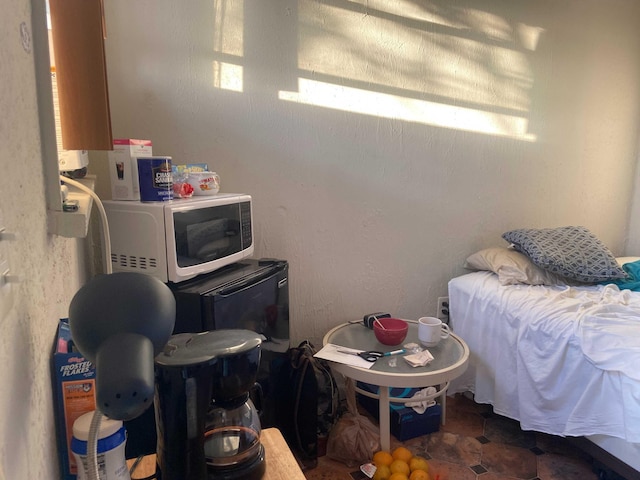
(50, 268)
(372, 212)
(632, 245)
(384, 141)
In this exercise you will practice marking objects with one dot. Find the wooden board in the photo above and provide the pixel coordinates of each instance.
(281, 464)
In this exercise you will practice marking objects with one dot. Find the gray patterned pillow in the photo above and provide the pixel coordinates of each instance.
(572, 252)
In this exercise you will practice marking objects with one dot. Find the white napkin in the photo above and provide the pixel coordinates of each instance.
(421, 404)
(419, 359)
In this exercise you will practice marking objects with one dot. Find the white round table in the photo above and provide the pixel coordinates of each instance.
(451, 357)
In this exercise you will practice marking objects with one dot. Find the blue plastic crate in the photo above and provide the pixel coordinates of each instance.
(405, 422)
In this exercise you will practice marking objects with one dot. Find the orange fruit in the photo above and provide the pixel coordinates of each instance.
(382, 458)
(382, 473)
(419, 463)
(398, 476)
(400, 466)
(402, 453)
(419, 475)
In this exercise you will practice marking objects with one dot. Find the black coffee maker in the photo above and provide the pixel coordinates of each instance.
(207, 426)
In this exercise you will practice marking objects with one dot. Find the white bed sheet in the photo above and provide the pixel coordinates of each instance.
(527, 360)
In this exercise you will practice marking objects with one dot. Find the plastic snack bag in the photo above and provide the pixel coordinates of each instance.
(181, 188)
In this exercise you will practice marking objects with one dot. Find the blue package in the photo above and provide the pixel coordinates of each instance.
(405, 422)
(156, 179)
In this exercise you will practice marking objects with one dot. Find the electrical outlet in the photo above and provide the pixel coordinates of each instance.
(443, 309)
(6, 297)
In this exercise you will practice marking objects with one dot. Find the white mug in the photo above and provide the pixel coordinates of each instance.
(431, 330)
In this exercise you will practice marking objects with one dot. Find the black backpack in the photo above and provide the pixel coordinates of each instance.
(310, 405)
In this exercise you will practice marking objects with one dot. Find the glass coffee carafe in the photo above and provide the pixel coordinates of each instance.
(232, 445)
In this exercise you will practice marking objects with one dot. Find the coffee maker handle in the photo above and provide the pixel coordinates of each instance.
(257, 397)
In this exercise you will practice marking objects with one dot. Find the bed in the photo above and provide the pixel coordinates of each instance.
(559, 356)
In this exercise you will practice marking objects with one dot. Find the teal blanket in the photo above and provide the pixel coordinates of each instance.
(632, 282)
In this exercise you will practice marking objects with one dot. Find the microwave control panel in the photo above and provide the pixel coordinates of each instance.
(245, 218)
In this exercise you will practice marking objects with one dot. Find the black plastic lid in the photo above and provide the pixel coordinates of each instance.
(189, 349)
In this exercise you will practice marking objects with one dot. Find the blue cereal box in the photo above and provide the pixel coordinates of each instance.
(74, 385)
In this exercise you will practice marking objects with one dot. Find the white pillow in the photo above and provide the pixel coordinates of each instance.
(511, 267)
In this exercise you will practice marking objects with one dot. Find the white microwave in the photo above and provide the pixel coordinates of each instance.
(179, 239)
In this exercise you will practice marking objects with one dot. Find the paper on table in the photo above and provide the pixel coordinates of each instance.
(330, 352)
(419, 359)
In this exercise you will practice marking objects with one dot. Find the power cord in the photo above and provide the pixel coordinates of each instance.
(135, 464)
(133, 467)
(106, 238)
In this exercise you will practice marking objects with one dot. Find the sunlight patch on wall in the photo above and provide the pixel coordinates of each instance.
(436, 64)
(368, 102)
(489, 24)
(529, 36)
(228, 44)
(227, 76)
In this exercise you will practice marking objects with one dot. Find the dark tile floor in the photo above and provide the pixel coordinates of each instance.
(476, 444)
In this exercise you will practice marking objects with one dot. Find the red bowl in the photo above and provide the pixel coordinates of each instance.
(394, 331)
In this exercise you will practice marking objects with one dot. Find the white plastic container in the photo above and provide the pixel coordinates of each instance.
(112, 464)
(204, 183)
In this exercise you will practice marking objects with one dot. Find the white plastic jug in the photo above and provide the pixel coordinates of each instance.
(112, 463)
